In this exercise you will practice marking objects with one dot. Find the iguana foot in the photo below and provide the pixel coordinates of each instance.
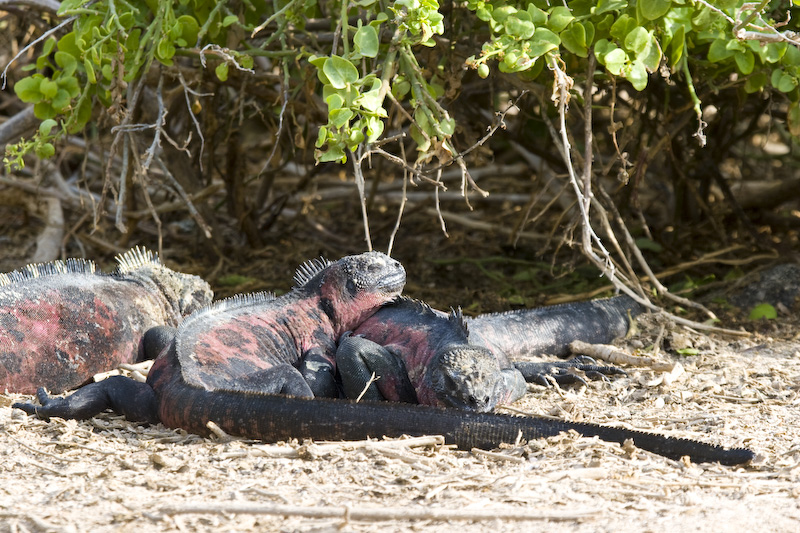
(562, 372)
(125, 396)
(318, 371)
(358, 359)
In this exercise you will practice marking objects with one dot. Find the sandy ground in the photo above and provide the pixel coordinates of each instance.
(109, 475)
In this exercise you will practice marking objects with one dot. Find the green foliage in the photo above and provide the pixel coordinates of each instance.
(114, 42)
(763, 311)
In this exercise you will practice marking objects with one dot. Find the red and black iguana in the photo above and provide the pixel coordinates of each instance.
(63, 322)
(426, 356)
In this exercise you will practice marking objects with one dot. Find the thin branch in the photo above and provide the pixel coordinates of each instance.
(39, 39)
(182, 193)
(404, 513)
(359, 177)
(403, 200)
(186, 91)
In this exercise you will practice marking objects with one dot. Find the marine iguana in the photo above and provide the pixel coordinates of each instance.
(194, 379)
(64, 321)
(425, 356)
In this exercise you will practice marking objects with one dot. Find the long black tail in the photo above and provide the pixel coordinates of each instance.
(274, 418)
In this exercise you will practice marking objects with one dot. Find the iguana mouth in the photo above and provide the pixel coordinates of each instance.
(394, 282)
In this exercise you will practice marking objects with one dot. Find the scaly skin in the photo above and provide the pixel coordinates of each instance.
(549, 330)
(181, 394)
(259, 343)
(63, 322)
(408, 345)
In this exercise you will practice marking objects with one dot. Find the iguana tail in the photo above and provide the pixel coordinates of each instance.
(274, 418)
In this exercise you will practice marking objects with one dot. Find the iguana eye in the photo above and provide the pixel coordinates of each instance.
(351, 287)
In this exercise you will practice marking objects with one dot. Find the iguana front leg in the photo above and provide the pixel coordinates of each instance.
(560, 371)
(357, 359)
(318, 371)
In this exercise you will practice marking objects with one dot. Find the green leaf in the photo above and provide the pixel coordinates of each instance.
(756, 82)
(677, 46)
(623, 26)
(423, 144)
(27, 90)
(763, 311)
(366, 41)
(48, 88)
(67, 62)
(189, 29)
(745, 61)
(500, 14)
(371, 101)
(604, 6)
(82, 116)
(340, 117)
(603, 47)
(333, 153)
(538, 17)
(448, 126)
(791, 57)
(61, 101)
(782, 81)
(400, 87)
(615, 60)
(334, 101)
(230, 19)
(87, 65)
(48, 46)
(70, 85)
(560, 17)
(374, 129)
(687, 351)
(355, 138)
(165, 51)
(653, 9)
(543, 41)
(574, 39)
(519, 26)
(340, 72)
(69, 5)
(651, 55)
(46, 126)
(522, 29)
(719, 51)
(43, 111)
(322, 136)
(637, 40)
(222, 71)
(636, 73)
(45, 150)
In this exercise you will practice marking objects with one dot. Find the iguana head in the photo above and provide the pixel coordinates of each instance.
(354, 287)
(467, 377)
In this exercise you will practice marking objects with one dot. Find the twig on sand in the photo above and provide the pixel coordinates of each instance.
(380, 514)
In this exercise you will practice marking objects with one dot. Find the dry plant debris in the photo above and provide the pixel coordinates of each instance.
(109, 475)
